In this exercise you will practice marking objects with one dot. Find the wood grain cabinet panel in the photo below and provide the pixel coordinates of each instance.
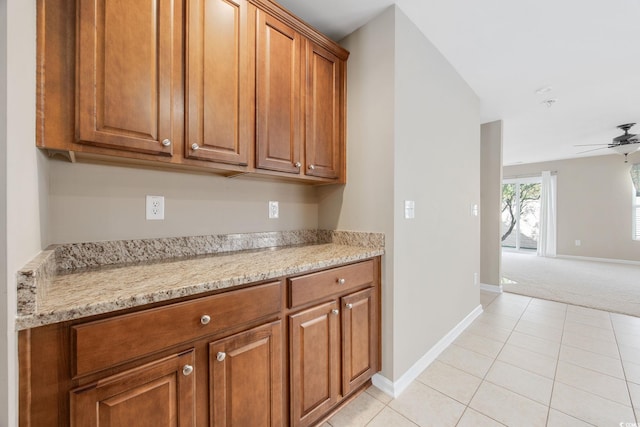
(104, 343)
(323, 118)
(315, 362)
(160, 393)
(246, 378)
(220, 81)
(278, 96)
(359, 339)
(125, 72)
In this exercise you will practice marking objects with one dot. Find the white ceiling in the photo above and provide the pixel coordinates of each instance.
(587, 50)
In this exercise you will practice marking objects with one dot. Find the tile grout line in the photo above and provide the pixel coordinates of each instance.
(555, 373)
(624, 372)
(493, 363)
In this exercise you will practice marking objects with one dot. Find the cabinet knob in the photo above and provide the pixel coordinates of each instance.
(335, 311)
(187, 370)
(166, 142)
(341, 281)
(312, 167)
(297, 164)
(349, 306)
(194, 146)
(221, 356)
(205, 319)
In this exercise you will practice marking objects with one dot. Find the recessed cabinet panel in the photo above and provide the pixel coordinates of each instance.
(246, 378)
(125, 74)
(315, 362)
(359, 339)
(220, 88)
(323, 102)
(160, 393)
(278, 96)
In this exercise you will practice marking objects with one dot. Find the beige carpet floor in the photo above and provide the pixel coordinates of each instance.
(600, 285)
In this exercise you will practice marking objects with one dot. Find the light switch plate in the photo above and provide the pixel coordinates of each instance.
(409, 209)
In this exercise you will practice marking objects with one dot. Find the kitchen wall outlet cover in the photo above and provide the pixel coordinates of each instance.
(274, 210)
(155, 207)
(578, 243)
(409, 209)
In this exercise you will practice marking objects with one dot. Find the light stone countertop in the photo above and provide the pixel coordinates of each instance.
(74, 294)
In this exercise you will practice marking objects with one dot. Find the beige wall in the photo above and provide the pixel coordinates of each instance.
(404, 101)
(366, 202)
(24, 182)
(490, 202)
(594, 205)
(437, 164)
(91, 202)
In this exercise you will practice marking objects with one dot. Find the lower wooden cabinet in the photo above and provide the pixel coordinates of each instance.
(359, 339)
(315, 362)
(160, 393)
(246, 378)
(334, 346)
(223, 360)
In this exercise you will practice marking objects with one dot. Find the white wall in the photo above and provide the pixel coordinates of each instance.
(490, 202)
(594, 205)
(26, 174)
(405, 103)
(92, 202)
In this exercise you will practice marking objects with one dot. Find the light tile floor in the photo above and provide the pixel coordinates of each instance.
(523, 362)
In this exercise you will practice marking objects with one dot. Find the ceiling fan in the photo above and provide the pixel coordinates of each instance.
(623, 144)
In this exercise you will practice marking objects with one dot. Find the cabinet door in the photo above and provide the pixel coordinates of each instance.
(315, 362)
(278, 115)
(323, 139)
(359, 339)
(160, 393)
(220, 89)
(246, 378)
(126, 74)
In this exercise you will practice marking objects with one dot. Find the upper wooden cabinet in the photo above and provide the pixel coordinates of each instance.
(279, 124)
(324, 112)
(126, 79)
(220, 81)
(232, 86)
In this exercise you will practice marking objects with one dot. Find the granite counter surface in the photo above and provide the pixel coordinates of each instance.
(49, 293)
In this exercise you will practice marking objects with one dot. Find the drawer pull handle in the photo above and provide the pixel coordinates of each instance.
(341, 281)
(297, 164)
(335, 311)
(205, 319)
(349, 306)
(187, 370)
(166, 142)
(312, 167)
(221, 356)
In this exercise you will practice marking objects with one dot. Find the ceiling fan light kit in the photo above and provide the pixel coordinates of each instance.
(624, 144)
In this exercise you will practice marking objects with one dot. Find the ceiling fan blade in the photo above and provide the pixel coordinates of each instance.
(587, 145)
(595, 149)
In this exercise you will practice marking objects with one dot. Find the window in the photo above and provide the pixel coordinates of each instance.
(520, 213)
(636, 216)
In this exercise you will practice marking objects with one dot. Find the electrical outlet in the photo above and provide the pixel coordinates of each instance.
(274, 210)
(578, 243)
(155, 207)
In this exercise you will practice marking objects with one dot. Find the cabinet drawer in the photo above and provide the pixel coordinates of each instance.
(315, 286)
(104, 343)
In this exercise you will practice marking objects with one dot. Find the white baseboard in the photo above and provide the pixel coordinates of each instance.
(491, 288)
(610, 260)
(394, 389)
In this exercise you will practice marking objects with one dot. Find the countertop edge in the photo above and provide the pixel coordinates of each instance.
(35, 319)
